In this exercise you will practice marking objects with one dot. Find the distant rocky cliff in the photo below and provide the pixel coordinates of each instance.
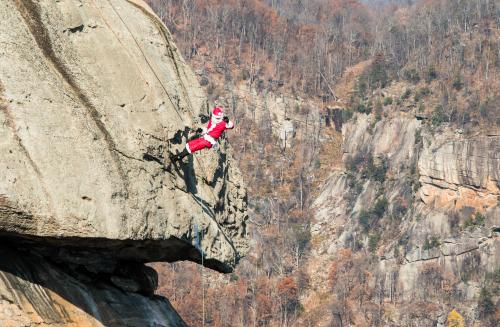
(419, 206)
(87, 89)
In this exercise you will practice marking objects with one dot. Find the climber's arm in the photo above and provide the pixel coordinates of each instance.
(201, 130)
(229, 124)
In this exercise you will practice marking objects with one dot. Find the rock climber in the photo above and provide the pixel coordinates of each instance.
(215, 127)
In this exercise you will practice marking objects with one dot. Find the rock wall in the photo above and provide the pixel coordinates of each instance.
(90, 91)
(461, 171)
(438, 237)
(37, 292)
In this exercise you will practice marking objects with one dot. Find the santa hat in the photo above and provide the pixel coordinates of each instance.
(218, 113)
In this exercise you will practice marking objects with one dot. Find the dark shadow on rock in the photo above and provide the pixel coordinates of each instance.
(57, 292)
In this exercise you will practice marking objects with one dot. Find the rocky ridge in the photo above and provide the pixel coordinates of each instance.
(440, 223)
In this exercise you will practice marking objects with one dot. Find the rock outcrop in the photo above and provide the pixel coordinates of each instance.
(435, 241)
(36, 292)
(461, 171)
(90, 91)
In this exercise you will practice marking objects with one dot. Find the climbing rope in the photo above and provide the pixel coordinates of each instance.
(147, 61)
(190, 112)
(198, 245)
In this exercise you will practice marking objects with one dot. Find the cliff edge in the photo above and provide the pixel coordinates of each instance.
(87, 88)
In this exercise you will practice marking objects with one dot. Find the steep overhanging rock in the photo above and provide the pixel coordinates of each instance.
(37, 292)
(86, 94)
(86, 89)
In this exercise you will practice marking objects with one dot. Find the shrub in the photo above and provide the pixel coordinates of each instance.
(421, 108)
(362, 108)
(387, 101)
(380, 207)
(245, 74)
(478, 220)
(369, 107)
(431, 75)
(353, 162)
(458, 83)
(439, 116)
(379, 172)
(418, 137)
(364, 220)
(361, 86)
(355, 186)
(398, 210)
(422, 93)
(370, 170)
(373, 242)
(302, 236)
(375, 172)
(412, 76)
(406, 95)
(485, 304)
(487, 109)
(347, 115)
(377, 74)
(204, 81)
(431, 243)
(483, 110)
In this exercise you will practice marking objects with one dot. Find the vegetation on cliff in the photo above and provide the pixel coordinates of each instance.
(437, 61)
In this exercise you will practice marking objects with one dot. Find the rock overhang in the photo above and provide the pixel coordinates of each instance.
(86, 91)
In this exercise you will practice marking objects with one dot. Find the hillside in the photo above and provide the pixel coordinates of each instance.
(349, 221)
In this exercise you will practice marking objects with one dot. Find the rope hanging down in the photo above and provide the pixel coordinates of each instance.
(190, 112)
(147, 62)
(198, 246)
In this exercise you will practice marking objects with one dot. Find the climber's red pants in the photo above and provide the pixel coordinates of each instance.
(198, 144)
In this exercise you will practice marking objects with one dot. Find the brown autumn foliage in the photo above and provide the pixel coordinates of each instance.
(309, 48)
(448, 46)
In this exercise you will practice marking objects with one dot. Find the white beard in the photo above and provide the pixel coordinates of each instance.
(216, 120)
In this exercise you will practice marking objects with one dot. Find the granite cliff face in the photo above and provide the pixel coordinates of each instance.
(87, 88)
(421, 206)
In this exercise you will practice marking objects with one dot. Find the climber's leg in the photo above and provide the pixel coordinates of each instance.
(192, 146)
(197, 145)
(179, 156)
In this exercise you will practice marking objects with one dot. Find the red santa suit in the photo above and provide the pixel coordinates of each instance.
(215, 127)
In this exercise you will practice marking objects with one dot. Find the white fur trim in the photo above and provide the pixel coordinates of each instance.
(187, 148)
(213, 124)
(209, 139)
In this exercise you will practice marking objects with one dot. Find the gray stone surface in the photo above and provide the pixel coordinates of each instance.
(88, 87)
(460, 169)
(443, 180)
